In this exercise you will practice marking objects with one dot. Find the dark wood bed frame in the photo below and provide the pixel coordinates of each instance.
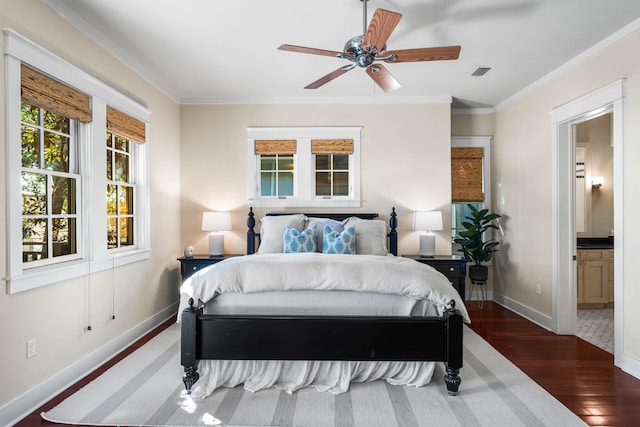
(347, 338)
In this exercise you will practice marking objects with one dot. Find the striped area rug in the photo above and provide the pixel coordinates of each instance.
(145, 389)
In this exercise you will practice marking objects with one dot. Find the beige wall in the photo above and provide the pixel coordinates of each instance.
(523, 188)
(481, 124)
(56, 315)
(404, 162)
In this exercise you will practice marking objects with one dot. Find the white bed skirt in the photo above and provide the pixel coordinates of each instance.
(289, 376)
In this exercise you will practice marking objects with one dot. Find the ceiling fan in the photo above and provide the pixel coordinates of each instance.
(367, 50)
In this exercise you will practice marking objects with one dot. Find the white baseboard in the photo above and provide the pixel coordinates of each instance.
(629, 365)
(25, 404)
(527, 312)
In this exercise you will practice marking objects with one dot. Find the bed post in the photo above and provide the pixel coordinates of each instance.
(393, 234)
(188, 346)
(251, 234)
(453, 348)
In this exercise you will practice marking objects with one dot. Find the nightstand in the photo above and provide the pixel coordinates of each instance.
(454, 267)
(189, 265)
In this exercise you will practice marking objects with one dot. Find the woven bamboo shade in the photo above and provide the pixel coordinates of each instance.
(52, 95)
(125, 126)
(466, 175)
(275, 146)
(332, 146)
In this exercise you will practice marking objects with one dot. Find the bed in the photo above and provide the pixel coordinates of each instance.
(295, 319)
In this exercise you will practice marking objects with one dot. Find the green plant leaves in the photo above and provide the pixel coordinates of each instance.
(473, 247)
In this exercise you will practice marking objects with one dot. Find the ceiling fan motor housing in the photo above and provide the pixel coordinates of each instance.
(354, 51)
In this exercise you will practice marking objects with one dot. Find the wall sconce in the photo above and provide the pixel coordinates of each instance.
(596, 182)
(216, 222)
(427, 221)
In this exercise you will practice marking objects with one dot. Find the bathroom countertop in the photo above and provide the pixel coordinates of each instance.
(595, 243)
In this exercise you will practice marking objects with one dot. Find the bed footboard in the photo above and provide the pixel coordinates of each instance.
(347, 338)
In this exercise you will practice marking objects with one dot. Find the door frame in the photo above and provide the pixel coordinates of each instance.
(564, 118)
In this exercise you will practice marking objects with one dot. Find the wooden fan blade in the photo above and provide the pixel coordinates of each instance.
(383, 77)
(380, 28)
(424, 54)
(332, 75)
(310, 50)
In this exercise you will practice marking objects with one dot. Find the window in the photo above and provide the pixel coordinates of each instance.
(304, 167)
(332, 175)
(74, 205)
(470, 175)
(332, 171)
(276, 175)
(459, 211)
(50, 185)
(120, 192)
(276, 159)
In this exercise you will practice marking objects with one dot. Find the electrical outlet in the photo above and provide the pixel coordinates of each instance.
(31, 348)
(538, 289)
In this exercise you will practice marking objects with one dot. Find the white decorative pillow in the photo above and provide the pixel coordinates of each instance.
(272, 229)
(319, 223)
(299, 241)
(339, 243)
(371, 235)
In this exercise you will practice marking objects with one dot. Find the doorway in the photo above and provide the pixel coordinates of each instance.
(594, 213)
(564, 119)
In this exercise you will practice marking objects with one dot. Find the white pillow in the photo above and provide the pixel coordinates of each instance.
(371, 235)
(272, 230)
(319, 223)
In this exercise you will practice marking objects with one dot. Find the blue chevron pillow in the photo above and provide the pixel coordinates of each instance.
(334, 242)
(299, 241)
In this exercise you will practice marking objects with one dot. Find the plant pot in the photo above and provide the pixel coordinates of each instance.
(478, 273)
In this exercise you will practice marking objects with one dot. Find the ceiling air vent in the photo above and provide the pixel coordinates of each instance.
(481, 71)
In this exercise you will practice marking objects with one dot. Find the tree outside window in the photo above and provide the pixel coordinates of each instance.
(120, 192)
(49, 185)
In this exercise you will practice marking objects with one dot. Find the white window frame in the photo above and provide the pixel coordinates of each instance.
(132, 183)
(92, 233)
(304, 167)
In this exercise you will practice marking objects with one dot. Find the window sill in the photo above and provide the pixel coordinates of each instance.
(295, 203)
(43, 276)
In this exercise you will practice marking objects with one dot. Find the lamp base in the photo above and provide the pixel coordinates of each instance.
(427, 245)
(216, 244)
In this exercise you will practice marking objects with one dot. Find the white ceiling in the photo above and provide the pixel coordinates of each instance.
(225, 51)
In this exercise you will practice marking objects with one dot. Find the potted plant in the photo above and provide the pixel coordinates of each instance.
(471, 242)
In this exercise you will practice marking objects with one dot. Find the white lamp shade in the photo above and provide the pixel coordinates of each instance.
(427, 221)
(597, 181)
(216, 221)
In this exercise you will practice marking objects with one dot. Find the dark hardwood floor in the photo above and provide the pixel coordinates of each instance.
(578, 374)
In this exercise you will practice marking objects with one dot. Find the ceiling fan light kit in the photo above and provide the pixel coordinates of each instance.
(368, 50)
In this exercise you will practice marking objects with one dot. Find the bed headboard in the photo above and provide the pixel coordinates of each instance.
(393, 224)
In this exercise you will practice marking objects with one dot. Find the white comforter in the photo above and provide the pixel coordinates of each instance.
(315, 271)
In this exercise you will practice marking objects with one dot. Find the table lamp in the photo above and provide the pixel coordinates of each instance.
(427, 222)
(216, 222)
